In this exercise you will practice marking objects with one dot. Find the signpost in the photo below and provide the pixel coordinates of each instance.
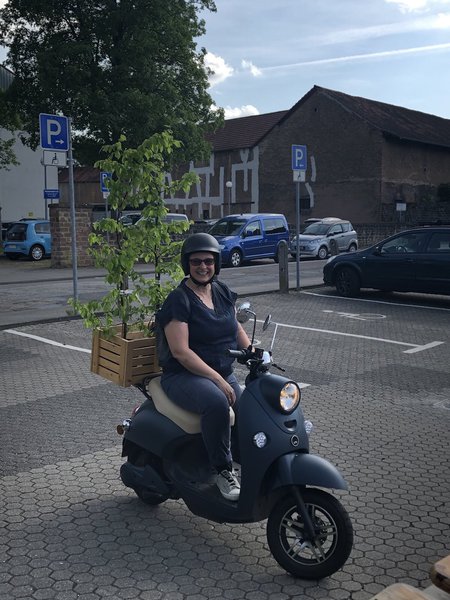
(52, 158)
(51, 194)
(299, 158)
(55, 135)
(54, 130)
(104, 178)
(299, 165)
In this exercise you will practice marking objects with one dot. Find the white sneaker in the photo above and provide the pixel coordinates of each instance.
(228, 485)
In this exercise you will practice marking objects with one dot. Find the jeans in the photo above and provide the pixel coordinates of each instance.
(202, 396)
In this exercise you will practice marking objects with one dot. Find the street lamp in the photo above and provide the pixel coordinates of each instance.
(229, 185)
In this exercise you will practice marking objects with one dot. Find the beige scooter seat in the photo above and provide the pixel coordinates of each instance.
(188, 421)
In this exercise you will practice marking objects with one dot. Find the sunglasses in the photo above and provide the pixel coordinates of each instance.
(196, 262)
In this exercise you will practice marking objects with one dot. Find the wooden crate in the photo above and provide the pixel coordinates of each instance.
(401, 591)
(124, 361)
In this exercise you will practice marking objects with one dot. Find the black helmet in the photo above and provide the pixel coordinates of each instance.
(200, 242)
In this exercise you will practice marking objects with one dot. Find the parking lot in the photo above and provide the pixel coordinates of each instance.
(376, 385)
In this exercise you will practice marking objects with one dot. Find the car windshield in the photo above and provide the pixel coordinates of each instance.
(17, 232)
(227, 227)
(317, 229)
(173, 217)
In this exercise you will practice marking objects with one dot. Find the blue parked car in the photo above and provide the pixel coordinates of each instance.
(29, 237)
(250, 236)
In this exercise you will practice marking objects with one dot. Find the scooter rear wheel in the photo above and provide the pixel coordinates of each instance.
(147, 497)
(333, 541)
(140, 457)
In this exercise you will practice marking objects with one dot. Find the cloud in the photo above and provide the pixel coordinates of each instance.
(220, 69)
(416, 5)
(429, 23)
(247, 65)
(368, 56)
(244, 111)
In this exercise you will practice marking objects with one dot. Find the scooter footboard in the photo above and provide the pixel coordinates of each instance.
(307, 469)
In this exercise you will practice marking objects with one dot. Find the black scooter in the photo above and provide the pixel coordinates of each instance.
(308, 531)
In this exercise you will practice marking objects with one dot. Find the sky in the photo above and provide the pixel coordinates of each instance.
(267, 54)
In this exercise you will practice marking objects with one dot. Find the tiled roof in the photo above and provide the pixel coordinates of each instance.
(396, 121)
(244, 132)
(80, 174)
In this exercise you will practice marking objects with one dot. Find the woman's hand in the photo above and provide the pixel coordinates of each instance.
(226, 388)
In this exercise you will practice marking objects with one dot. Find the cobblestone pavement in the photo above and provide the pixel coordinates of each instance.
(71, 531)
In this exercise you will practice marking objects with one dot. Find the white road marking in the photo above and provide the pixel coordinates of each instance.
(68, 347)
(424, 347)
(357, 316)
(46, 341)
(415, 347)
(377, 301)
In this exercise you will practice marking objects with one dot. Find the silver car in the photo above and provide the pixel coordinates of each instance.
(318, 238)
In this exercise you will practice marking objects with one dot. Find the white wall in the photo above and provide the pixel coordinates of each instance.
(21, 188)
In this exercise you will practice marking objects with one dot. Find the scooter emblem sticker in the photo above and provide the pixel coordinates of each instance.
(295, 441)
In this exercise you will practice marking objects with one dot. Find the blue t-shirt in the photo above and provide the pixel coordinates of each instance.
(212, 331)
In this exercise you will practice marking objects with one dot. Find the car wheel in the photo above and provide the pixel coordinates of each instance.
(347, 282)
(294, 256)
(352, 248)
(235, 258)
(36, 252)
(323, 252)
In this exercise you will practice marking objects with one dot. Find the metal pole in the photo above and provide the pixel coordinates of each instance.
(72, 215)
(106, 214)
(45, 187)
(297, 227)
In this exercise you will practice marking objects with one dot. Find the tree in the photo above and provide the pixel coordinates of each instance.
(138, 179)
(9, 122)
(116, 67)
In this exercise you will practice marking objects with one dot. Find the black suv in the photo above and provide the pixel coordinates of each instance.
(416, 260)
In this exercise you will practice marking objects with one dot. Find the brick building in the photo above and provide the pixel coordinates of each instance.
(366, 160)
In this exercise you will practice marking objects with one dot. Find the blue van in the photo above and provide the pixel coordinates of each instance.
(249, 236)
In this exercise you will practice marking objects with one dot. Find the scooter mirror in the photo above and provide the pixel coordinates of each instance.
(267, 322)
(244, 312)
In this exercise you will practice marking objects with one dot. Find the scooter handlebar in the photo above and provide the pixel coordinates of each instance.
(250, 353)
(237, 353)
(242, 356)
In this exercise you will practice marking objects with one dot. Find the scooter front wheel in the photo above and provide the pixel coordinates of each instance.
(289, 543)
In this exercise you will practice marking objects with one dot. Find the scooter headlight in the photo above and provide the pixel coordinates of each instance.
(289, 397)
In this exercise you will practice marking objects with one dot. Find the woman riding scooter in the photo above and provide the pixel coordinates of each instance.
(169, 452)
(199, 321)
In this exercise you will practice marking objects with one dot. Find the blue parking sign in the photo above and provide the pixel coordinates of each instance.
(299, 158)
(54, 131)
(104, 176)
